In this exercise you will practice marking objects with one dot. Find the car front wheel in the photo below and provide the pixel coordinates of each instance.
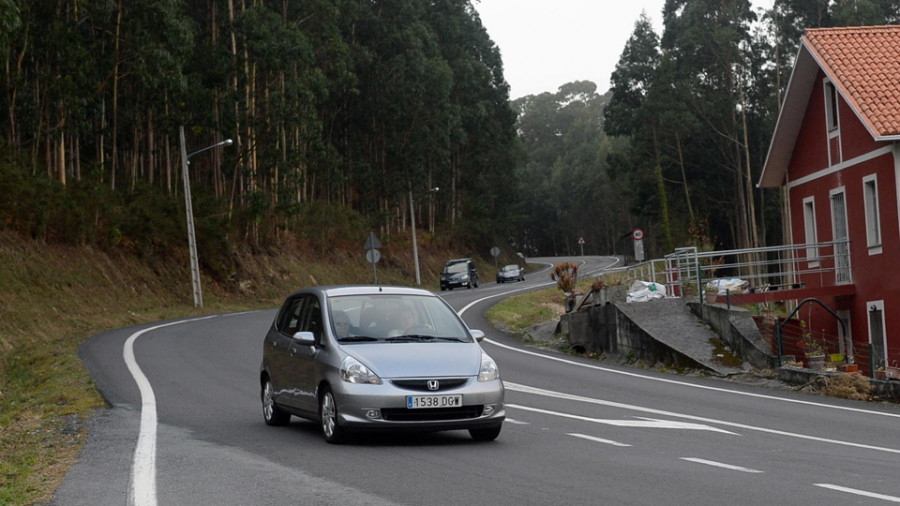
(272, 414)
(331, 431)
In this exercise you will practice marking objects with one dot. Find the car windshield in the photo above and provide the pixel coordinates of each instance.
(392, 318)
(510, 268)
(455, 268)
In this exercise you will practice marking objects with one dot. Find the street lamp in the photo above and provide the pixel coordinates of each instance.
(189, 211)
(412, 219)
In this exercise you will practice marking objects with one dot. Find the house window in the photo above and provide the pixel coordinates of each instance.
(840, 236)
(831, 106)
(809, 226)
(877, 338)
(873, 219)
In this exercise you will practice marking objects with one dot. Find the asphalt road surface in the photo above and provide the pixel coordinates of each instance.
(186, 428)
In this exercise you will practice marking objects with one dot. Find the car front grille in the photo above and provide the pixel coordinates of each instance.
(422, 384)
(431, 414)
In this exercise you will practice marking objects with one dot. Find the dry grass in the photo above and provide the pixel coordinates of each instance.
(850, 385)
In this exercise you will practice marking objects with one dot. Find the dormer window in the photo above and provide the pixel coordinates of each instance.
(831, 106)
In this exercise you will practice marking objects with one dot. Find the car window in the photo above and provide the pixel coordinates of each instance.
(457, 267)
(290, 320)
(380, 316)
(312, 319)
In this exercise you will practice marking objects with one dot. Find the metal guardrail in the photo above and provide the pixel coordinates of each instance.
(685, 271)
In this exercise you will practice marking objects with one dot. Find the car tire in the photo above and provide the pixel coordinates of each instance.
(331, 431)
(487, 434)
(476, 281)
(272, 414)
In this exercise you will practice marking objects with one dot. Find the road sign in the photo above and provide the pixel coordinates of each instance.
(637, 234)
(373, 255)
(581, 240)
(495, 252)
(372, 242)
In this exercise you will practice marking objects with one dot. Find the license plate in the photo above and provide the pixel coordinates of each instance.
(433, 401)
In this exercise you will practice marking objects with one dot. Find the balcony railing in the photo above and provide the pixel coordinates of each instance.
(687, 270)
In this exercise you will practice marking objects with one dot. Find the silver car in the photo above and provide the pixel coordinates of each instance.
(358, 358)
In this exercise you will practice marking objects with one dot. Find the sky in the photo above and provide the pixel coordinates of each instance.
(548, 43)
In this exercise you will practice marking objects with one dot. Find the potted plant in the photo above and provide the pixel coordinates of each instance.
(812, 349)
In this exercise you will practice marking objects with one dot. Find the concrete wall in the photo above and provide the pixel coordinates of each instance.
(736, 327)
(605, 328)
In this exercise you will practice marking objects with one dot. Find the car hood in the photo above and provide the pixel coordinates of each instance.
(418, 360)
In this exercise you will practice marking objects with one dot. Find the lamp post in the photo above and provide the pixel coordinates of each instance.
(412, 219)
(189, 211)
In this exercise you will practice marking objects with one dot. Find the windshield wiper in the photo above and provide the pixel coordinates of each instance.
(357, 339)
(420, 337)
(410, 337)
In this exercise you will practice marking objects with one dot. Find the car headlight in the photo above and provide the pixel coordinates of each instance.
(353, 371)
(489, 370)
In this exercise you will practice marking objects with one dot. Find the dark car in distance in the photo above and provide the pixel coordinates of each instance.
(511, 272)
(378, 358)
(459, 272)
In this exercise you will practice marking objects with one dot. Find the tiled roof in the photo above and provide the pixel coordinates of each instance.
(864, 63)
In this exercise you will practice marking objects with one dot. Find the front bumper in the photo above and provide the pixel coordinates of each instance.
(383, 407)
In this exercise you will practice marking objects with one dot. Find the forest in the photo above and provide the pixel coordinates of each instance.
(341, 111)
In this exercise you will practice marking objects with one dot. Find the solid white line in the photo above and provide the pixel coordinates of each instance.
(863, 493)
(598, 440)
(143, 467)
(721, 465)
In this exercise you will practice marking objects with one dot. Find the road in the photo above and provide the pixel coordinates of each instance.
(578, 431)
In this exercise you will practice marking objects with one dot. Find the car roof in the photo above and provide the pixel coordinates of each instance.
(339, 290)
(458, 260)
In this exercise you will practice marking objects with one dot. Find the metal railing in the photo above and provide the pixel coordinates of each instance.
(685, 271)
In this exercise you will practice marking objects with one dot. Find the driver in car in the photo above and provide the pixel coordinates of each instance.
(403, 322)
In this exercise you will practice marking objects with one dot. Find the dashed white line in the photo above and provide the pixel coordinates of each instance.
(873, 495)
(721, 465)
(598, 440)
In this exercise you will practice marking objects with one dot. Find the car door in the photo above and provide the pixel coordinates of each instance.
(277, 349)
(304, 370)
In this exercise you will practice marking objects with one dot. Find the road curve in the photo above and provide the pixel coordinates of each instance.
(579, 431)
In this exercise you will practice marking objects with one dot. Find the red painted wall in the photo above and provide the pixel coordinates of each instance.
(876, 277)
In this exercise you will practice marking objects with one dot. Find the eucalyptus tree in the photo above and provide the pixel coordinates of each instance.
(709, 40)
(631, 113)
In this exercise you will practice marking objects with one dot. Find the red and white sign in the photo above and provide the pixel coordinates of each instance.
(637, 234)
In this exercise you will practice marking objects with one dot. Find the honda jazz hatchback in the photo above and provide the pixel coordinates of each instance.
(369, 358)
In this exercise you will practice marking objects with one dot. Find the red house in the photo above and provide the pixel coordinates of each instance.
(836, 151)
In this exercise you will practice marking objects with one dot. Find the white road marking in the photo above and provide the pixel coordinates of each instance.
(515, 422)
(143, 467)
(646, 423)
(598, 440)
(691, 385)
(559, 395)
(721, 465)
(855, 491)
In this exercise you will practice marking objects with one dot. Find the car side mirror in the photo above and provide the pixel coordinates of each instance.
(304, 337)
(477, 334)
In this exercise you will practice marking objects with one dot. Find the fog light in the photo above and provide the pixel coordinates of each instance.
(489, 409)
(373, 414)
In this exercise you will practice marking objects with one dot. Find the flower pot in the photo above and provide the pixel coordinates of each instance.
(879, 374)
(816, 362)
(711, 297)
(850, 368)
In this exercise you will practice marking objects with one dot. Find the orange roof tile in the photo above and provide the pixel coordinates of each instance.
(864, 64)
